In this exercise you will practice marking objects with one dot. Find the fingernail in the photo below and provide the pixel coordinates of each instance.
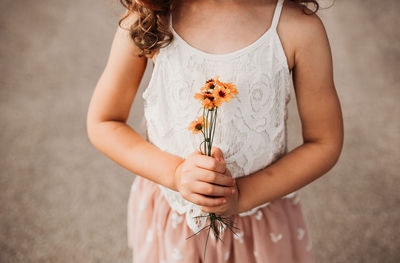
(233, 191)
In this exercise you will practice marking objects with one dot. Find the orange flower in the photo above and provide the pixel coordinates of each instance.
(219, 83)
(197, 125)
(211, 101)
(229, 86)
(215, 92)
(210, 84)
(208, 99)
(200, 96)
(222, 94)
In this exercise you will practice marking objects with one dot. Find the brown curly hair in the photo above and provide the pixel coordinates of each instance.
(151, 29)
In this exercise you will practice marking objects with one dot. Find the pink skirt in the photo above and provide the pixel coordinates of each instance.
(276, 233)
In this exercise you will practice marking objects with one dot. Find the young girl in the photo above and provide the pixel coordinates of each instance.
(260, 46)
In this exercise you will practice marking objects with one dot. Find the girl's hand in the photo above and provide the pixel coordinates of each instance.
(201, 179)
(230, 207)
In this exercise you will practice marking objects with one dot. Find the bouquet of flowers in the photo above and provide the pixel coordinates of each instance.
(212, 95)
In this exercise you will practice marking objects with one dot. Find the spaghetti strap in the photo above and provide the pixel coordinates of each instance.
(170, 19)
(277, 14)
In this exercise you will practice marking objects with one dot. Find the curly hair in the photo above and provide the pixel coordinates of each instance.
(151, 29)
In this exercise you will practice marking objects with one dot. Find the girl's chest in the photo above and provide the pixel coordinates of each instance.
(287, 48)
(239, 39)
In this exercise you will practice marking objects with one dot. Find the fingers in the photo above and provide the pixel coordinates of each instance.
(208, 176)
(205, 201)
(209, 163)
(217, 153)
(212, 189)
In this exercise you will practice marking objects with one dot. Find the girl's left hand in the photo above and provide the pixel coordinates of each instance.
(231, 206)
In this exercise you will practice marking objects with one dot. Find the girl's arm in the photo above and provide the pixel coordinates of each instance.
(109, 110)
(321, 118)
(199, 178)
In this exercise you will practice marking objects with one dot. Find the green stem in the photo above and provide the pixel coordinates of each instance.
(202, 141)
(204, 133)
(198, 232)
(210, 131)
(215, 121)
(208, 139)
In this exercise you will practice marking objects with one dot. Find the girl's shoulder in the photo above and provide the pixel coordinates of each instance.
(301, 18)
(299, 13)
(299, 28)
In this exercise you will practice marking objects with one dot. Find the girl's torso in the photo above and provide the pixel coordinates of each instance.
(250, 129)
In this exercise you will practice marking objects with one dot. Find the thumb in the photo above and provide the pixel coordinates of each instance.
(217, 154)
(199, 152)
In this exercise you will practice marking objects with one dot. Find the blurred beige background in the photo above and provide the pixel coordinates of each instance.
(63, 201)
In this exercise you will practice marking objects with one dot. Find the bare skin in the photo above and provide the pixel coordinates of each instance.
(238, 24)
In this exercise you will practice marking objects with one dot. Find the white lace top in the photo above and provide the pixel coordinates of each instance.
(250, 129)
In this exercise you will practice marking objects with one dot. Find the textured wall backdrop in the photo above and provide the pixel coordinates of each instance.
(63, 201)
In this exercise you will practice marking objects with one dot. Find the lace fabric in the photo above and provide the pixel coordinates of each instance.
(251, 129)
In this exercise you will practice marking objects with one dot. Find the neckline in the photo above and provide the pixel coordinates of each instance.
(254, 44)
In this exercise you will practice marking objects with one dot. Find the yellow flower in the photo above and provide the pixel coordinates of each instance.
(197, 125)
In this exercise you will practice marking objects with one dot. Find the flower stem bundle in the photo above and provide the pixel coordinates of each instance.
(212, 95)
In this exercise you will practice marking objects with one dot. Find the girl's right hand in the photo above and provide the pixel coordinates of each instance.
(201, 179)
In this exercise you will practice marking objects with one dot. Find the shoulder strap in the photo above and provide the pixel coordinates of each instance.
(170, 19)
(277, 14)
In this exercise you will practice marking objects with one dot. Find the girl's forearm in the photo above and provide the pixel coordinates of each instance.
(121, 143)
(290, 173)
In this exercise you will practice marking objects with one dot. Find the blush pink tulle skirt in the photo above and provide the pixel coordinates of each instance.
(276, 233)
